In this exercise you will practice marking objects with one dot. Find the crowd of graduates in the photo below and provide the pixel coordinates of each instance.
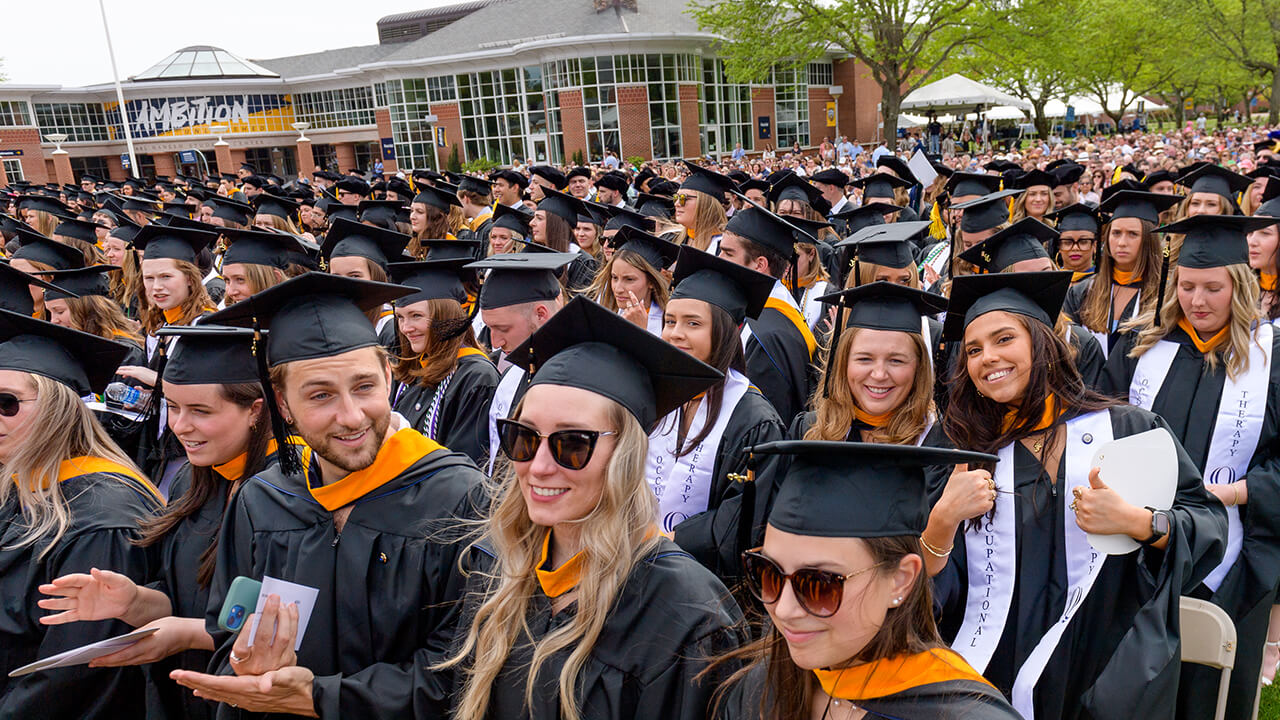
(808, 436)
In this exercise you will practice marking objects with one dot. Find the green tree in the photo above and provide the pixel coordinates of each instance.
(1116, 53)
(902, 42)
(1250, 31)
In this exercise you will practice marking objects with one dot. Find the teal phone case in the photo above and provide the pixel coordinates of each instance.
(242, 600)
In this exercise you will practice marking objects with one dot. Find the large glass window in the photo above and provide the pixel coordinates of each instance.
(409, 102)
(81, 166)
(820, 74)
(348, 107)
(80, 122)
(13, 170)
(14, 113)
(791, 106)
(726, 110)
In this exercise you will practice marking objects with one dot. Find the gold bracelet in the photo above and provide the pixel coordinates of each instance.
(935, 551)
(1235, 498)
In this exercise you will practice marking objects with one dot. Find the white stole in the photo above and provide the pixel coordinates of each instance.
(1236, 430)
(503, 397)
(656, 315)
(811, 308)
(382, 322)
(1104, 338)
(992, 549)
(683, 484)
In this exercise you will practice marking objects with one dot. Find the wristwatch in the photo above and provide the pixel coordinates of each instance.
(1159, 526)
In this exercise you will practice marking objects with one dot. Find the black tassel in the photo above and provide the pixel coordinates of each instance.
(1164, 277)
(836, 326)
(796, 291)
(747, 513)
(286, 452)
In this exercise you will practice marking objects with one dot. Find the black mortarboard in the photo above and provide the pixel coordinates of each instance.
(268, 204)
(630, 365)
(886, 306)
(657, 252)
(347, 238)
(431, 280)
(44, 203)
(1268, 145)
(517, 278)
(514, 219)
(400, 187)
(1137, 204)
(862, 490)
(353, 184)
(578, 171)
(15, 293)
(1036, 295)
(1023, 240)
(1000, 165)
(655, 206)
(335, 210)
(552, 175)
(706, 181)
(1188, 170)
(437, 197)
(879, 185)
(615, 181)
(40, 249)
(160, 241)
(562, 204)
(1076, 216)
(479, 186)
(865, 215)
(1270, 206)
(1151, 179)
(764, 228)
(248, 167)
(985, 212)
(620, 217)
(890, 245)
(831, 176)
(78, 282)
(261, 247)
(445, 249)
(209, 355)
(1034, 178)
(511, 176)
(1217, 180)
(793, 187)
(964, 184)
(754, 184)
(1210, 241)
(231, 210)
(899, 168)
(254, 181)
(81, 361)
(737, 290)
(78, 229)
(382, 213)
(596, 214)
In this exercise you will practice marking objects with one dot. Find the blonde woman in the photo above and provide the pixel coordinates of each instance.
(587, 612)
(73, 505)
(700, 206)
(1036, 201)
(1208, 368)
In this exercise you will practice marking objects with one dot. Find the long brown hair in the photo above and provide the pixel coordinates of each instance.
(908, 629)
(726, 355)
(450, 331)
(197, 302)
(101, 316)
(602, 289)
(557, 231)
(126, 283)
(1095, 310)
(437, 228)
(205, 482)
(835, 412)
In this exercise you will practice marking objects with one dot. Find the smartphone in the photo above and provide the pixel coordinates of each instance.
(241, 601)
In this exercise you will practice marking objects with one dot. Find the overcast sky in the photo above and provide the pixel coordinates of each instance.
(63, 43)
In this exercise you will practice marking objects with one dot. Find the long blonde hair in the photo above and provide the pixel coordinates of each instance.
(867, 274)
(834, 413)
(708, 219)
(616, 536)
(62, 428)
(602, 289)
(1244, 314)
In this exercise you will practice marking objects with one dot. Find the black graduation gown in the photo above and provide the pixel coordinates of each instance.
(581, 272)
(387, 582)
(1099, 669)
(711, 536)
(105, 511)
(778, 362)
(1188, 401)
(670, 616)
(127, 433)
(464, 421)
(950, 700)
(1075, 300)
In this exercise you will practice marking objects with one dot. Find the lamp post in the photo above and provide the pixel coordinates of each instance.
(306, 159)
(302, 128)
(61, 160)
(221, 149)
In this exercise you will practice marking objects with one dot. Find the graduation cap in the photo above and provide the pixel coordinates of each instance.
(514, 219)
(340, 211)
(899, 168)
(1001, 166)
(964, 184)
(764, 228)
(37, 248)
(43, 203)
(755, 184)
(431, 280)
(348, 238)
(1210, 241)
(737, 290)
(1076, 216)
(620, 217)
(517, 278)
(177, 243)
(249, 168)
(794, 187)
(657, 252)
(261, 247)
(1067, 173)
(382, 213)
(255, 181)
(706, 181)
(551, 175)
(438, 198)
(1152, 179)
(511, 176)
(209, 355)
(79, 229)
(831, 176)
(1036, 295)
(230, 210)
(81, 361)
(866, 215)
(614, 181)
(274, 205)
(353, 184)
(665, 188)
(879, 185)
(445, 249)
(15, 293)
(562, 204)
(890, 245)
(78, 282)
(655, 206)
(1270, 206)
(1023, 240)
(472, 184)
(838, 489)
(878, 306)
(1138, 204)
(631, 366)
(400, 187)
(578, 171)
(1034, 178)
(986, 212)
(1217, 180)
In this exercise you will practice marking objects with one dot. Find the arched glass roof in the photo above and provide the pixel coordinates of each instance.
(202, 61)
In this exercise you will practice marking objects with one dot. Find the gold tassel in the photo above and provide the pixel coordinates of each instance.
(937, 229)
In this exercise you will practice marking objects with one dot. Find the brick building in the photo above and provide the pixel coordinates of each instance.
(541, 80)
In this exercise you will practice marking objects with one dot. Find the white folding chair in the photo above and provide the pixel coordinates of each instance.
(1209, 638)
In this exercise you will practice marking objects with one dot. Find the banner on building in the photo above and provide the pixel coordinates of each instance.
(166, 117)
(388, 149)
(831, 114)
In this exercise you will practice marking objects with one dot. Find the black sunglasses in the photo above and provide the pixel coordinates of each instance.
(570, 449)
(819, 592)
(10, 404)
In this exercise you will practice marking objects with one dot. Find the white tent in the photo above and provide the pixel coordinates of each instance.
(1088, 107)
(1004, 112)
(910, 121)
(957, 92)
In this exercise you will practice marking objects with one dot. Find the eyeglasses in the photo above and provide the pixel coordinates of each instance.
(680, 199)
(1079, 244)
(819, 592)
(570, 449)
(10, 404)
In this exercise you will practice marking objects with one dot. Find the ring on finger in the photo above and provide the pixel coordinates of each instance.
(1073, 507)
(991, 483)
(993, 496)
(236, 658)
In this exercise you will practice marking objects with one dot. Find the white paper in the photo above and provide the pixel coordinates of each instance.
(1142, 469)
(303, 596)
(84, 653)
(921, 167)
